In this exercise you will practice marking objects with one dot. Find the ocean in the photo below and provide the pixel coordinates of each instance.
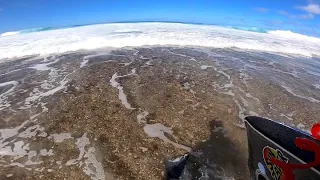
(46, 41)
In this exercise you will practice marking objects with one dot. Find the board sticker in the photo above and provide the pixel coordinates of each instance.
(270, 153)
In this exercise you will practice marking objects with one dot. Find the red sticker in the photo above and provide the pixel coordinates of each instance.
(315, 131)
(286, 172)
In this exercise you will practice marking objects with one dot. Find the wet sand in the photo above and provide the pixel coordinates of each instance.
(119, 114)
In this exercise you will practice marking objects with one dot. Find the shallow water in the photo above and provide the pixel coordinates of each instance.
(90, 114)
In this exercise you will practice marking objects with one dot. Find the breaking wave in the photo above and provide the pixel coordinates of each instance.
(292, 35)
(43, 41)
(25, 31)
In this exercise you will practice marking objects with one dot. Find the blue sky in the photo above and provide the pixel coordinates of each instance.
(302, 16)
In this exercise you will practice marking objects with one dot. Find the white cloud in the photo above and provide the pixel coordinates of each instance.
(311, 8)
(305, 16)
(296, 16)
(262, 10)
(283, 12)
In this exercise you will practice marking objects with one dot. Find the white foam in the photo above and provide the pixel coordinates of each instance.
(14, 83)
(292, 35)
(10, 72)
(9, 175)
(136, 53)
(244, 101)
(39, 95)
(45, 152)
(177, 54)
(316, 86)
(31, 131)
(158, 130)
(301, 126)
(45, 66)
(128, 63)
(286, 116)
(103, 35)
(84, 63)
(9, 33)
(242, 125)
(3, 97)
(9, 82)
(142, 117)
(228, 85)
(230, 93)
(271, 63)
(8, 133)
(86, 58)
(178, 159)
(92, 167)
(147, 64)
(311, 99)
(250, 96)
(17, 164)
(81, 144)
(122, 95)
(222, 72)
(58, 138)
(225, 74)
(19, 150)
(270, 106)
(204, 67)
(46, 85)
(144, 58)
(240, 111)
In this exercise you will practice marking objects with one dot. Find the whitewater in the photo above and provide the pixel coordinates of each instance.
(118, 35)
